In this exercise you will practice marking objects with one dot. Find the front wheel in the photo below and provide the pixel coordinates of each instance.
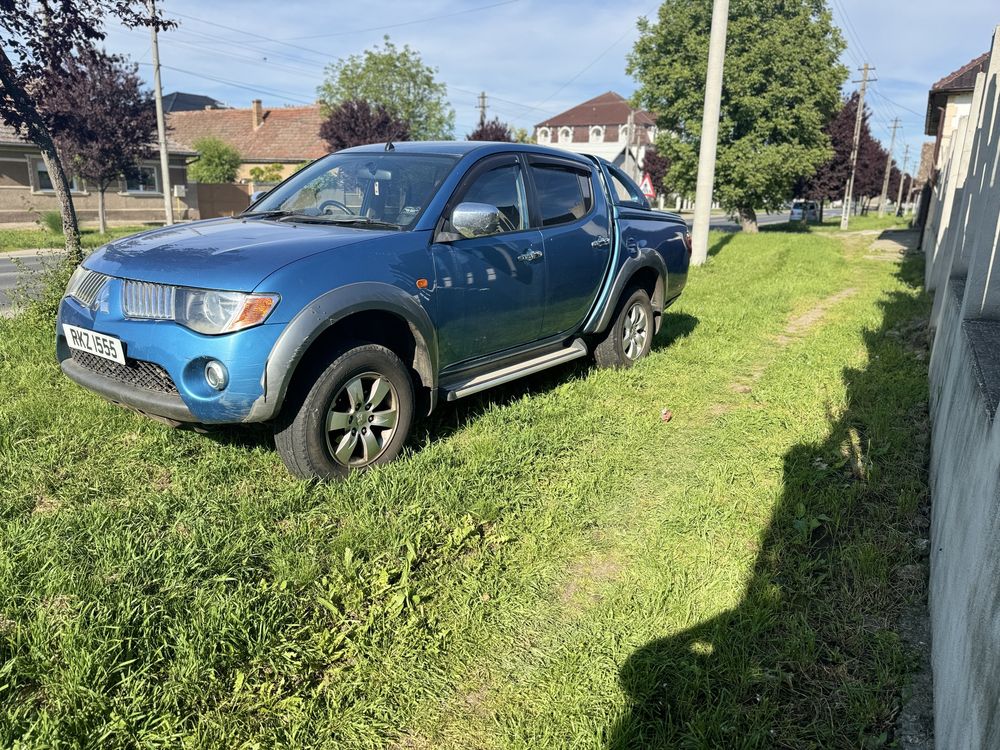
(630, 335)
(355, 415)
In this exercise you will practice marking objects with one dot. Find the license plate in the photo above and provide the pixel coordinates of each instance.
(98, 344)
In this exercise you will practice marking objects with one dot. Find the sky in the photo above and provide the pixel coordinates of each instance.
(533, 58)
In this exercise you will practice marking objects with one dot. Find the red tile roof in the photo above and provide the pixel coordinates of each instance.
(607, 109)
(288, 134)
(10, 137)
(964, 79)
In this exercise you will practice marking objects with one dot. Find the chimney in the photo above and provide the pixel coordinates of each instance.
(258, 113)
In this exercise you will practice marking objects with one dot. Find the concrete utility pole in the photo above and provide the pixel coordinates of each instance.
(888, 169)
(845, 215)
(161, 127)
(902, 179)
(634, 168)
(709, 132)
(482, 108)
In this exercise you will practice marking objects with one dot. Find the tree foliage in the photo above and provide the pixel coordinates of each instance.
(356, 122)
(267, 173)
(103, 120)
(492, 130)
(397, 80)
(217, 161)
(780, 86)
(658, 167)
(36, 39)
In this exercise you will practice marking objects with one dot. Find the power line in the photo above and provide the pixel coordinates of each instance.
(260, 89)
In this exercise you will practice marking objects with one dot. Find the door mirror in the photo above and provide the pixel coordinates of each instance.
(256, 195)
(472, 220)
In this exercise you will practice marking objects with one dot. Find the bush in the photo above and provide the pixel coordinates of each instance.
(217, 161)
(52, 220)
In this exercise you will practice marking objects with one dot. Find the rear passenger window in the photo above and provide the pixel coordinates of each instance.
(626, 191)
(564, 193)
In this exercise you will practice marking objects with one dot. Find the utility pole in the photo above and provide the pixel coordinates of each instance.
(634, 169)
(482, 108)
(849, 194)
(902, 179)
(709, 132)
(888, 169)
(161, 128)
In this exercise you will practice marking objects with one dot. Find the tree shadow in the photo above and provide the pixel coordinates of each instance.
(716, 247)
(810, 656)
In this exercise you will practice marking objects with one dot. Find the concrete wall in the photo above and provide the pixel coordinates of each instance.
(963, 270)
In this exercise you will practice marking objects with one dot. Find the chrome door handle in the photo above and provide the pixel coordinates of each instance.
(530, 256)
(601, 242)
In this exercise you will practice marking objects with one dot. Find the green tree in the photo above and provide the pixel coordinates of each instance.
(267, 173)
(781, 85)
(217, 161)
(397, 80)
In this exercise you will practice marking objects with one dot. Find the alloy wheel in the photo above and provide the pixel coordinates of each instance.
(362, 419)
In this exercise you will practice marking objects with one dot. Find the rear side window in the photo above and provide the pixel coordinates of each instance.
(564, 193)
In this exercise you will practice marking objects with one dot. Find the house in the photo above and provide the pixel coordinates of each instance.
(949, 100)
(179, 101)
(606, 126)
(26, 189)
(284, 135)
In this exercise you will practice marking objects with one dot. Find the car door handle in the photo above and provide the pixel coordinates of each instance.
(530, 256)
(601, 242)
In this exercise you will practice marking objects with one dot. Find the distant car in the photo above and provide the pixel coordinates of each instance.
(372, 284)
(804, 211)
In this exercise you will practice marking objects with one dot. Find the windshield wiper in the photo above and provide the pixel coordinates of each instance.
(272, 212)
(340, 220)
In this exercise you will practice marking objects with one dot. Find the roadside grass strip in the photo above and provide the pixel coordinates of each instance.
(549, 564)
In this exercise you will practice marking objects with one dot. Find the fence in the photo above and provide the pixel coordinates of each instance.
(963, 270)
(224, 199)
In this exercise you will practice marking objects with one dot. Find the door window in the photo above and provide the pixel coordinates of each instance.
(564, 193)
(626, 191)
(502, 187)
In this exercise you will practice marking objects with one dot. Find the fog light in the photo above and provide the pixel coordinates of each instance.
(216, 375)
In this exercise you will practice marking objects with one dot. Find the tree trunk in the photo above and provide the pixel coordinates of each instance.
(821, 205)
(102, 222)
(748, 220)
(38, 133)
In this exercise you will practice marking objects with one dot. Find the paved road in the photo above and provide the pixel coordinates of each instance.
(11, 271)
(725, 223)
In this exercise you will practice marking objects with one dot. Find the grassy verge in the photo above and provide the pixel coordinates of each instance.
(551, 565)
(19, 239)
(868, 222)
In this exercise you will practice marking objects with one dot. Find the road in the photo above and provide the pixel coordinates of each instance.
(727, 224)
(13, 265)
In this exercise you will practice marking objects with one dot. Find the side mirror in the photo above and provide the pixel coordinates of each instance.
(472, 220)
(256, 195)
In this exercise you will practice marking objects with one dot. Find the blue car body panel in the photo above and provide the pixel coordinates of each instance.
(467, 302)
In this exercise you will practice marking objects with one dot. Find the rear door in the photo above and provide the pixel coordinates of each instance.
(489, 294)
(574, 219)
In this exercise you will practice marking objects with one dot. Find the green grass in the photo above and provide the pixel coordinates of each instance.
(868, 222)
(550, 565)
(20, 239)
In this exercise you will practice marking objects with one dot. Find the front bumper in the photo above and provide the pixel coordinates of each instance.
(178, 354)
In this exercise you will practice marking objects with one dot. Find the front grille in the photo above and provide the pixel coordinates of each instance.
(89, 287)
(141, 299)
(135, 372)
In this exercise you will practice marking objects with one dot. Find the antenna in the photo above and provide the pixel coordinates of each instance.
(389, 146)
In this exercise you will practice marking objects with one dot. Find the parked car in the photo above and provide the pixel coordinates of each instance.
(369, 286)
(804, 211)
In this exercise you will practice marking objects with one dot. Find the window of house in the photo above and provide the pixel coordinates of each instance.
(146, 180)
(43, 180)
(597, 134)
(502, 187)
(544, 134)
(565, 135)
(564, 193)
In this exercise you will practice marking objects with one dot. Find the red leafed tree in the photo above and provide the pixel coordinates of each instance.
(104, 120)
(355, 122)
(491, 130)
(657, 165)
(36, 39)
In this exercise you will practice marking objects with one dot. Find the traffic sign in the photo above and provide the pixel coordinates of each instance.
(646, 186)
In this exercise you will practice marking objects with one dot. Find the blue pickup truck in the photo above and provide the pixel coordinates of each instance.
(370, 285)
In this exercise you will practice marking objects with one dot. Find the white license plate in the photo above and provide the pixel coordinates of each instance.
(98, 344)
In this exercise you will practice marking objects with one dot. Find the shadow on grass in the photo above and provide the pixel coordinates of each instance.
(810, 657)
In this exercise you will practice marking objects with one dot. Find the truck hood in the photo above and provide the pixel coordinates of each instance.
(232, 254)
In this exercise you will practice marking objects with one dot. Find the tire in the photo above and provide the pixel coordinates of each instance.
(337, 426)
(630, 335)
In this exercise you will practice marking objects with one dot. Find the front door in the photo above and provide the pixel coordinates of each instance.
(489, 293)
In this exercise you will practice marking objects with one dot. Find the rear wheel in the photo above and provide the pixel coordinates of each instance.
(356, 414)
(630, 335)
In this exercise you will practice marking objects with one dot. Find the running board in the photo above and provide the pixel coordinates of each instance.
(498, 377)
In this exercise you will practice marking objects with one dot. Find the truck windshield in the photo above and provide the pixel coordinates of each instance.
(372, 190)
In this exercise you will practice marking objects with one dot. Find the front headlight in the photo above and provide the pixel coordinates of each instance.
(203, 310)
(213, 312)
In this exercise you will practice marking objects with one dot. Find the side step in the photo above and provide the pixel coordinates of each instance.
(498, 377)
